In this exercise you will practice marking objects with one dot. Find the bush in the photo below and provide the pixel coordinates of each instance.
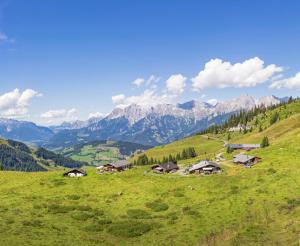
(73, 197)
(33, 223)
(138, 214)
(129, 229)
(82, 216)
(189, 211)
(157, 206)
(57, 209)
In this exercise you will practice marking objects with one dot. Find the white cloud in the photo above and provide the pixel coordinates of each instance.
(290, 83)
(96, 115)
(212, 101)
(222, 74)
(138, 82)
(15, 104)
(176, 84)
(118, 99)
(151, 80)
(148, 98)
(5, 39)
(58, 116)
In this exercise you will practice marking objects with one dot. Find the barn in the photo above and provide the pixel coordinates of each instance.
(246, 160)
(117, 166)
(205, 167)
(168, 167)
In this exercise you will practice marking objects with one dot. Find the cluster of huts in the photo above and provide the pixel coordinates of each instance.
(204, 167)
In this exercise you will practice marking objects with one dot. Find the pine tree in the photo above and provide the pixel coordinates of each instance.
(229, 150)
(265, 142)
(184, 154)
(178, 158)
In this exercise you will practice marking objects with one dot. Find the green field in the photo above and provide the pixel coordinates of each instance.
(95, 155)
(240, 206)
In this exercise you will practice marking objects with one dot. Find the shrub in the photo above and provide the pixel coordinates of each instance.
(138, 214)
(33, 223)
(73, 197)
(56, 208)
(129, 229)
(82, 216)
(157, 206)
(94, 228)
(189, 211)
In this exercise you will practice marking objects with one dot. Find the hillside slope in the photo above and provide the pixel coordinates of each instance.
(16, 156)
(241, 206)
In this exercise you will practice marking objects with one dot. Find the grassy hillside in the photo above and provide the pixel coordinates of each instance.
(102, 152)
(205, 147)
(241, 206)
(16, 156)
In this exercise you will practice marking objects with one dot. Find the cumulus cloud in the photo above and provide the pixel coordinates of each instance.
(289, 83)
(95, 115)
(138, 82)
(118, 99)
(151, 80)
(15, 104)
(222, 74)
(57, 116)
(148, 98)
(176, 84)
(212, 101)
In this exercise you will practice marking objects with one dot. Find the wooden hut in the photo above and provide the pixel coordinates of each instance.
(205, 167)
(76, 172)
(246, 160)
(117, 166)
(168, 167)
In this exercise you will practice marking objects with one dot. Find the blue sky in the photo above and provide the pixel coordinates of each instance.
(74, 56)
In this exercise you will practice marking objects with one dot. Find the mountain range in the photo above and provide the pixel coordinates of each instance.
(152, 125)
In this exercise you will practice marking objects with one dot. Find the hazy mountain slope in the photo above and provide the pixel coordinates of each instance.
(24, 131)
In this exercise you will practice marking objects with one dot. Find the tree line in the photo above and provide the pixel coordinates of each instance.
(186, 153)
(59, 160)
(17, 160)
(243, 117)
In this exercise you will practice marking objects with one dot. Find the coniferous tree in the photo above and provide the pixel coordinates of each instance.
(265, 142)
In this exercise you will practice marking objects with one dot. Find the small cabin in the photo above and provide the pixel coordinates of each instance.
(168, 167)
(205, 167)
(117, 166)
(246, 160)
(246, 147)
(77, 172)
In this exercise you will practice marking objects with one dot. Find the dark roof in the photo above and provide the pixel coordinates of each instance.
(203, 164)
(168, 166)
(120, 163)
(241, 158)
(76, 170)
(243, 146)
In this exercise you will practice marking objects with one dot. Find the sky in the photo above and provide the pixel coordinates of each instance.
(62, 60)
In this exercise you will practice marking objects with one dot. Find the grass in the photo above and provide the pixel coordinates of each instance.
(240, 206)
(205, 148)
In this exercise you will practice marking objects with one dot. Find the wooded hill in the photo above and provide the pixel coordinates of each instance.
(17, 156)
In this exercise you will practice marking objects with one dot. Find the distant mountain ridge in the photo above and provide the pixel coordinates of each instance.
(152, 125)
(160, 124)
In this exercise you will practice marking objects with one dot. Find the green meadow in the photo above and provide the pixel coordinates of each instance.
(95, 154)
(240, 206)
